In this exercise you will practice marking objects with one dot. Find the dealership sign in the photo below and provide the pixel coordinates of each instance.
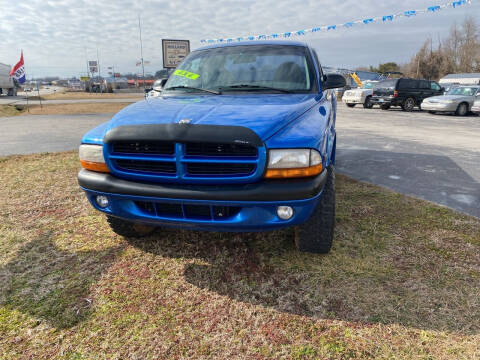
(93, 66)
(174, 51)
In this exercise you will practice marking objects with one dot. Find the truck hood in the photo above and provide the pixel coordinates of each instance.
(263, 113)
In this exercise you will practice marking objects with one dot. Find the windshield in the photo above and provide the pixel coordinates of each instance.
(387, 84)
(254, 67)
(367, 85)
(465, 91)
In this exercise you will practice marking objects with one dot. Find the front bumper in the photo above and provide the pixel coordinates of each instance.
(255, 204)
(351, 100)
(438, 107)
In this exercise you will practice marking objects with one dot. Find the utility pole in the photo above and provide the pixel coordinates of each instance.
(141, 52)
(99, 73)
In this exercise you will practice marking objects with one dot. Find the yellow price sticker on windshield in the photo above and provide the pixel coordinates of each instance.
(186, 74)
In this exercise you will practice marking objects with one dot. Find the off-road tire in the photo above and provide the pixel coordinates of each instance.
(368, 103)
(408, 105)
(462, 109)
(351, 105)
(384, 107)
(128, 229)
(316, 235)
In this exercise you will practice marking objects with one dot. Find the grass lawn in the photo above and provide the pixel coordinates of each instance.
(402, 281)
(59, 109)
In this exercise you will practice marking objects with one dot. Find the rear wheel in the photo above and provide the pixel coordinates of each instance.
(408, 104)
(462, 109)
(129, 229)
(368, 103)
(351, 105)
(384, 107)
(316, 235)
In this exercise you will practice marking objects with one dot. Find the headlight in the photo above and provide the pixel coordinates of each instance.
(91, 158)
(288, 163)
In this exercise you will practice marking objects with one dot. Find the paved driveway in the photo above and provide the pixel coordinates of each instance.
(45, 133)
(434, 157)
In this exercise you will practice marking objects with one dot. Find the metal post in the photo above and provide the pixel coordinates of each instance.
(98, 71)
(141, 53)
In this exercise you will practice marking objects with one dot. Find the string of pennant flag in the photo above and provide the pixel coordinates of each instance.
(349, 24)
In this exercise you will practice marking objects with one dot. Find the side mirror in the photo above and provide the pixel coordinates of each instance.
(333, 81)
(163, 82)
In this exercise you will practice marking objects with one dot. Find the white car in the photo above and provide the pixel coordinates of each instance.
(476, 107)
(360, 96)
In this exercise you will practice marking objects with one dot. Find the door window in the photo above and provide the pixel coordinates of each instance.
(424, 84)
(435, 86)
(408, 84)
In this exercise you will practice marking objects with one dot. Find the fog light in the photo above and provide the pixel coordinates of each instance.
(284, 212)
(102, 201)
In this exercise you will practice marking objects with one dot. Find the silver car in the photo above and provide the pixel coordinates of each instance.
(458, 100)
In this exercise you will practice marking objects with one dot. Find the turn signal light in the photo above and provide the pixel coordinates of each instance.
(94, 166)
(395, 93)
(294, 172)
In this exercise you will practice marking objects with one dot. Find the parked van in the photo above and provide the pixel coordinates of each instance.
(404, 92)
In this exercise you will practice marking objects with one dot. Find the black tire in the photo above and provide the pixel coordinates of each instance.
(432, 112)
(316, 235)
(351, 105)
(384, 107)
(368, 103)
(129, 229)
(408, 104)
(462, 109)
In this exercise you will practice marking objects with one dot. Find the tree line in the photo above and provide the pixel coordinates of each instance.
(459, 52)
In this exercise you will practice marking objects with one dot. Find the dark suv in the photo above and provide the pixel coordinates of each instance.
(404, 92)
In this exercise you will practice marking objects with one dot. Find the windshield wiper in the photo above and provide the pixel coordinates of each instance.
(193, 88)
(253, 87)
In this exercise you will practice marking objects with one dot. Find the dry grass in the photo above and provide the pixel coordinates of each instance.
(10, 110)
(62, 109)
(402, 281)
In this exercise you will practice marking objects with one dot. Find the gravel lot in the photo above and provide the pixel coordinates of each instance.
(433, 157)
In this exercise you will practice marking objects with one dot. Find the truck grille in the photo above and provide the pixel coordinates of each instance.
(187, 211)
(184, 162)
(155, 167)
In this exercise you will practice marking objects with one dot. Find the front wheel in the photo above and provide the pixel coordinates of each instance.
(316, 235)
(462, 110)
(129, 229)
(409, 104)
(350, 105)
(368, 103)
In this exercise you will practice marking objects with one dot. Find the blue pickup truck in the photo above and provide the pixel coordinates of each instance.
(241, 139)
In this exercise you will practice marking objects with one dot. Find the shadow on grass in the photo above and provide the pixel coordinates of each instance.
(371, 276)
(52, 284)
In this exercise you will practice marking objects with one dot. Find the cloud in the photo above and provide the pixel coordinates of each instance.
(58, 36)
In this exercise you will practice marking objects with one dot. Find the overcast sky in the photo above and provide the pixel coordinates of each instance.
(58, 35)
